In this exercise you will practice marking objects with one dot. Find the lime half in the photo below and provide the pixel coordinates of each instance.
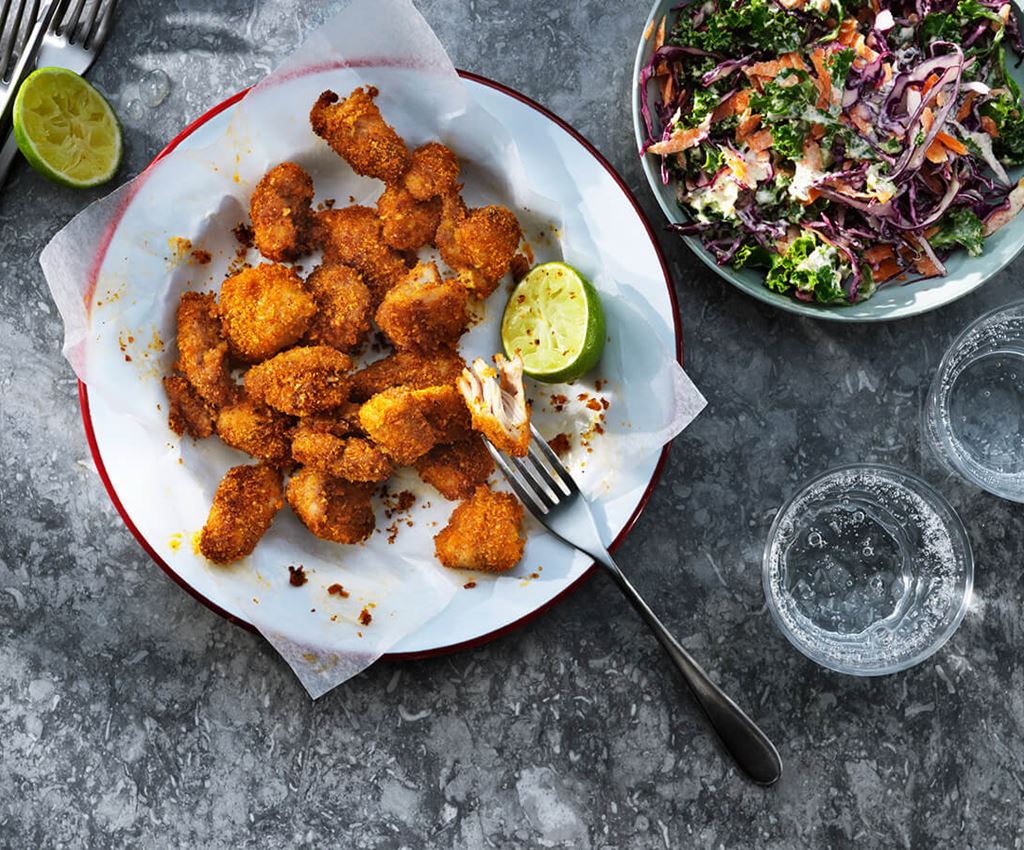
(555, 322)
(66, 129)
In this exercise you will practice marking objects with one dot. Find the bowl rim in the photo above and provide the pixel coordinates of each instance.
(955, 528)
(811, 310)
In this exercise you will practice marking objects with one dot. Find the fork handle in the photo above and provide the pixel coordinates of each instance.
(7, 155)
(747, 744)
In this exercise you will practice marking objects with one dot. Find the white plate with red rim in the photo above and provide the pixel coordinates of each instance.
(546, 145)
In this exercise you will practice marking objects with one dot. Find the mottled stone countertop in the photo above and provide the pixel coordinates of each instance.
(130, 715)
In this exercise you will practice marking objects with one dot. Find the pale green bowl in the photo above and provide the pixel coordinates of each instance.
(892, 300)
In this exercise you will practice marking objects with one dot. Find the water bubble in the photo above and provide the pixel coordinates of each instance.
(858, 516)
(134, 110)
(154, 88)
(867, 551)
(815, 539)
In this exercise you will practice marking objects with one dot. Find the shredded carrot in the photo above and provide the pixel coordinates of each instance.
(989, 126)
(929, 84)
(886, 72)
(648, 30)
(667, 88)
(680, 140)
(965, 107)
(659, 39)
(925, 266)
(875, 7)
(936, 152)
(823, 82)
(927, 118)
(847, 31)
(951, 143)
(817, 131)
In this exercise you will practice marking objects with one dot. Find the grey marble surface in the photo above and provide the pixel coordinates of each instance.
(132, 716)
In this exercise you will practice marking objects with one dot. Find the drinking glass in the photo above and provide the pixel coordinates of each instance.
(974, 413)
(867, 570)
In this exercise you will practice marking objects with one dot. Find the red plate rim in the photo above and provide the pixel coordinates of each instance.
(90, 434)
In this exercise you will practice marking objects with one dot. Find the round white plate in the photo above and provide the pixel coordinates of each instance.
(546, 143)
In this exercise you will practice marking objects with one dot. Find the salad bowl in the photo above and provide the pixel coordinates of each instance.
(892, 300)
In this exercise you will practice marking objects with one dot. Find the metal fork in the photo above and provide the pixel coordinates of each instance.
(549, 492)
(72, 43)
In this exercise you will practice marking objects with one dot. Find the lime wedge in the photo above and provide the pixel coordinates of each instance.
(66, 129)
(555, 322)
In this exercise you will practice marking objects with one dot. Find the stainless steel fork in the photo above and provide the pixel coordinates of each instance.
(72, 42)
(550, 494)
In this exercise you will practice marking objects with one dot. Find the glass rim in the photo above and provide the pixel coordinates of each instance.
(954, 526)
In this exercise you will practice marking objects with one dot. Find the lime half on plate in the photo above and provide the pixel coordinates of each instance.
(66, 129)
(555, 322)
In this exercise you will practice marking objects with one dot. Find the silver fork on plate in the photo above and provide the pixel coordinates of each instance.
(71, 41)
(548, 491)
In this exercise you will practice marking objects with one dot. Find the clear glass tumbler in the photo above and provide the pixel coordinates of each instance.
(867, 570)
(974, 414)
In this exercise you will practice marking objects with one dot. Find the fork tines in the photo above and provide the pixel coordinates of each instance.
(539, 479)
(16, 20)
(88, 32)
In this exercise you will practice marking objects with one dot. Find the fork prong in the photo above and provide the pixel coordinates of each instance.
(525, 494)
(540, 444)
(10, 38)
(69, 21)
(550, 475)
(545, 495)
(85, 32)
(98, 34)
(61, 7)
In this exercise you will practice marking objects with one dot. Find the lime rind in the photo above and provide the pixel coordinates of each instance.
(66, 129)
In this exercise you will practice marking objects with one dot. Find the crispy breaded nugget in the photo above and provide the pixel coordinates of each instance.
(345, 308)
(455, 470)
(342, 422)
(357, 132)
(424, 312)
(187, 412)
(353, 237)
(263, 310)
(353, 459)
(497, 400)
(477, 243)
(445, 412)
(281, 213)
(301, 381)
(331, 508)
(243, 507)
(410, 369)
(483, 533)
(395, 420)
(433, 170)
(256, 430)
(202, 350)
(407, 224)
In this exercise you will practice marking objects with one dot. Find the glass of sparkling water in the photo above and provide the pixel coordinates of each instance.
(974, 414)
(867, 570)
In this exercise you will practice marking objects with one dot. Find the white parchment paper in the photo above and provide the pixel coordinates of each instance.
(118, 269)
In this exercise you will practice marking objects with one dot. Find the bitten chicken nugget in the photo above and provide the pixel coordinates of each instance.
(424, 312)
(281, 213)
(456, 469)
(187, 412)
(433, 170)
(357, 132)
(395, 420)
(477, 243)
(202, 350)
(331, 508)
(256, 430)
(243, 508)
(406, 223)
(484, 533)
(263, 310)
(345, 308)
(301, 381)
(410, 369)
(353, 237)
(497, 400)
(353, 459)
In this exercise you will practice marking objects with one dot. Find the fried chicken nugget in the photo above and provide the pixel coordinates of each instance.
(407, 224)
(445, 412)
(478, 243)
(256, 430)
(202, 349)
(357, 132)
(484, 533)
(353, 236)
(342, 422)
(424, 312)
(455, 470)
(353, 459)
(331, 508)
(345, 307)
(433, 170)
(263, 310)
(497, 401)
(301, 381)
(187, 412)
(413, 369)
(243, 507)
(282, 214)
(395, 420)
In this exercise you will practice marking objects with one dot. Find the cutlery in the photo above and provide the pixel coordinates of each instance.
(73, 44)
(549, 492)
